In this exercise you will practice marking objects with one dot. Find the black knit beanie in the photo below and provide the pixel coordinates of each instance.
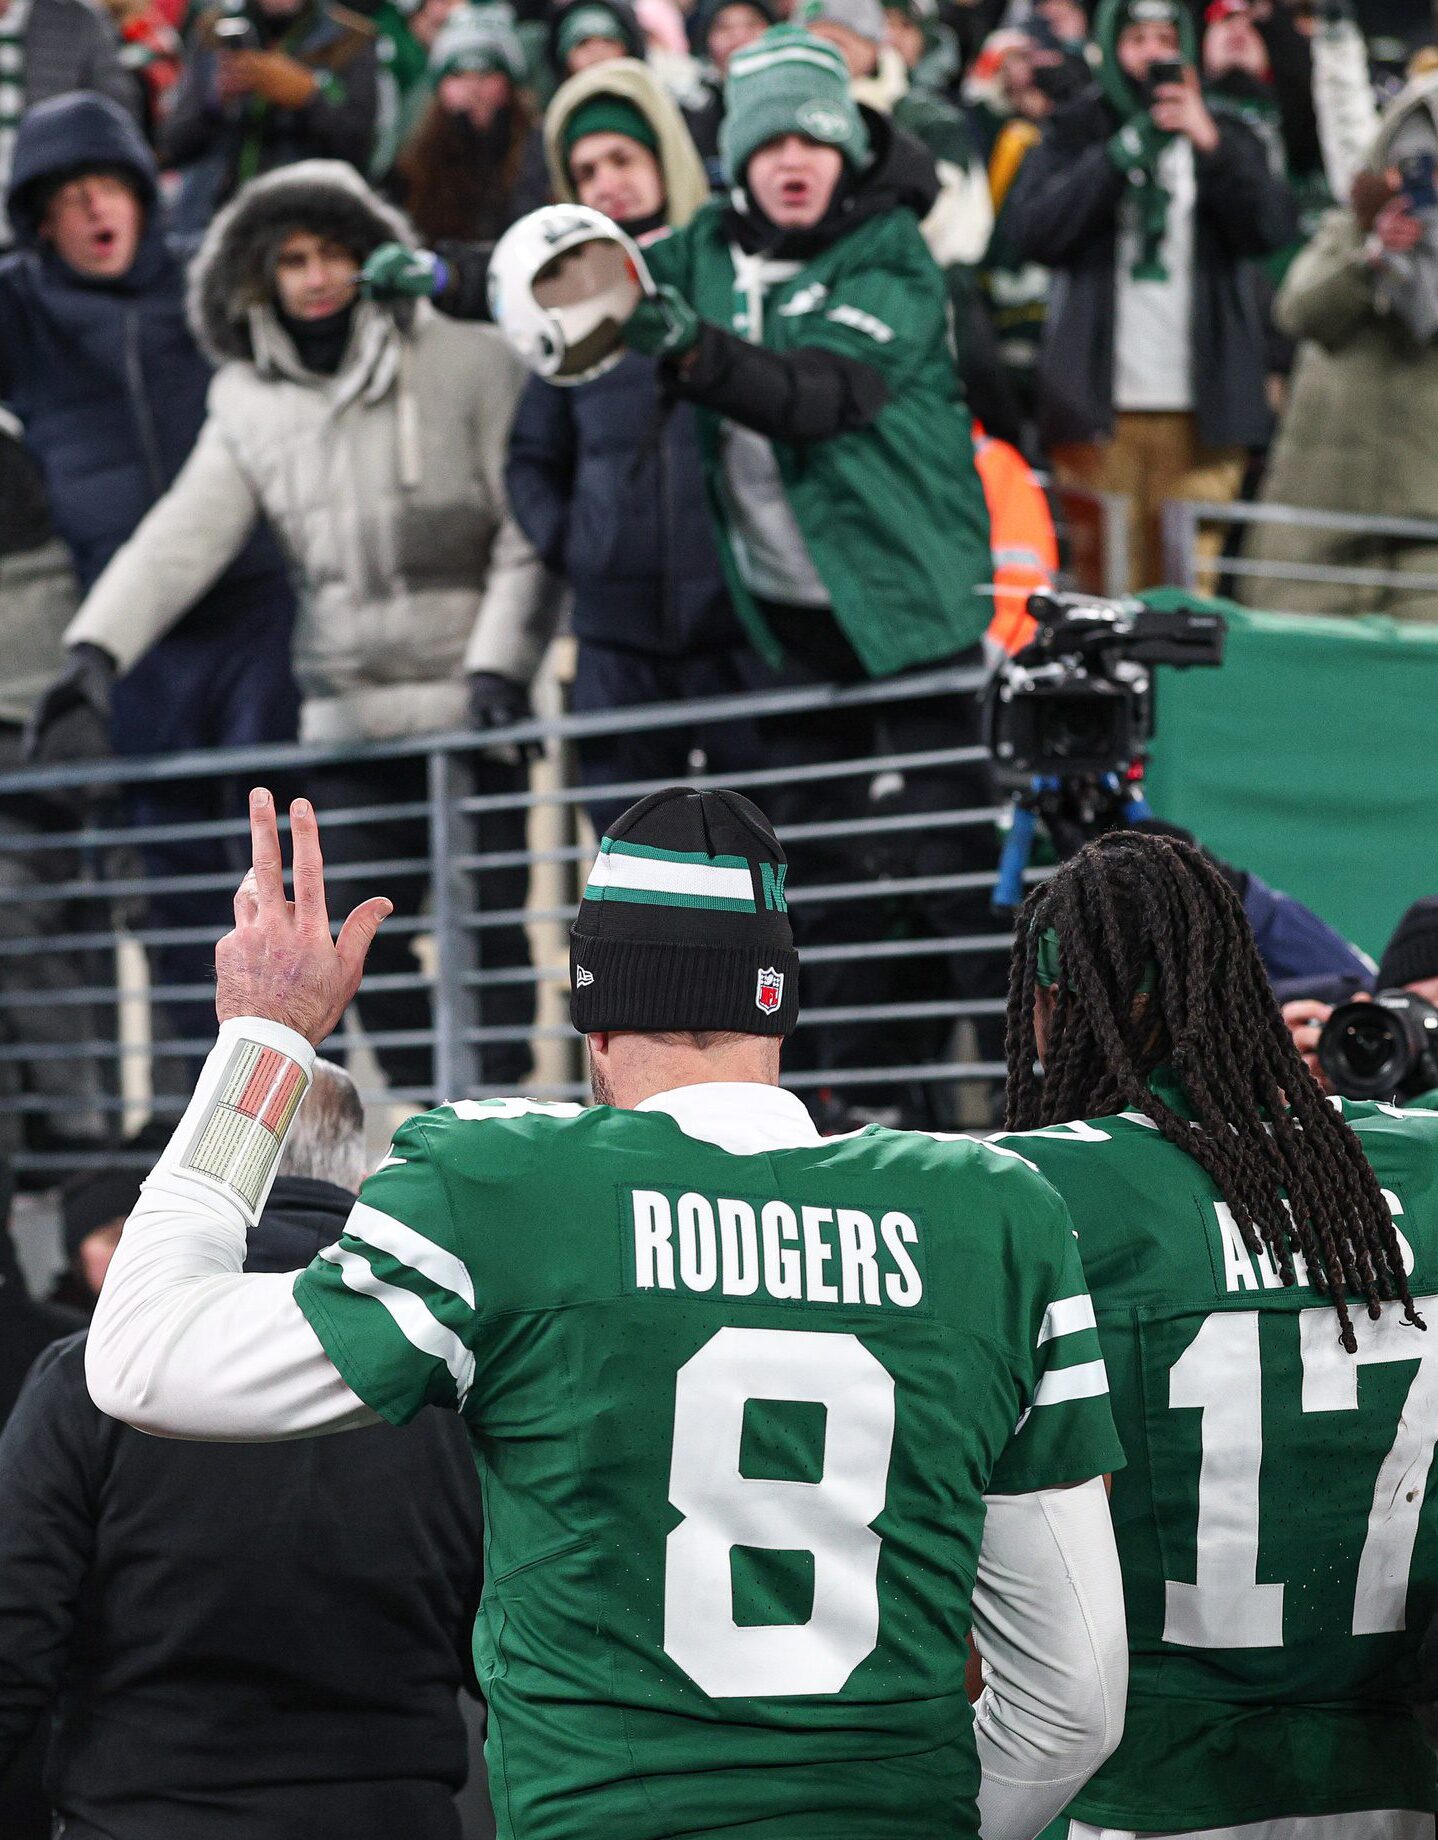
(1411, 955)
(684, 924)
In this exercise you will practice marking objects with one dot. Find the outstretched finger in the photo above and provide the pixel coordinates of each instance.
(357, 936)
(268, 870)
(307, 867)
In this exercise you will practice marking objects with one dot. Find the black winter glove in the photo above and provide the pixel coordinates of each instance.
(499, 702)
(71, 721)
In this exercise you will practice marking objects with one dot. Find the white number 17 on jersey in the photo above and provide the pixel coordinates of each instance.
(1219, 1375)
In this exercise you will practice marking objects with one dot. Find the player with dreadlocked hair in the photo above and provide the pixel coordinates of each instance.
(1279, 1549)
(1160, 969)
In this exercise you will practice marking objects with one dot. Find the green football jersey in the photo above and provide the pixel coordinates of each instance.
(1278, 1537)
(734, 1416)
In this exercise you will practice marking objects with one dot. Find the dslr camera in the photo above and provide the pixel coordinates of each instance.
(1386, 1049)
(1078, 700)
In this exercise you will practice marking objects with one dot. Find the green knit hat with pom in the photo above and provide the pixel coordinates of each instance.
(789, 82)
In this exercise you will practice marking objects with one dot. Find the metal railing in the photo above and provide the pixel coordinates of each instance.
(108, 919)
(1187, 566)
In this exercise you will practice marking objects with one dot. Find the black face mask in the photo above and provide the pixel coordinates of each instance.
(646, 226)
(321, 343)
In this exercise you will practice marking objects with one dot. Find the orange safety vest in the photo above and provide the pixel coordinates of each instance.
(1021, 536)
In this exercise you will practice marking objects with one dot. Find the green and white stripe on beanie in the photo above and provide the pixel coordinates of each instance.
(670, 878)
(789, 82)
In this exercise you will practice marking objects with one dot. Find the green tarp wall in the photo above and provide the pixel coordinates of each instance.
(1310, 757)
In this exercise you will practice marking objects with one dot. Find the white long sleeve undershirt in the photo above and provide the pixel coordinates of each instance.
(1049, 1623)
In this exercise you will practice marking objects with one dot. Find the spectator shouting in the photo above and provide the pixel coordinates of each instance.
(240, 1642)
(808, 321)
(97, 359)
(611, 495)
(1356, 435)
(373, 437)
(274, 82)
(48, 47)
(475, 161)
(1151, 209)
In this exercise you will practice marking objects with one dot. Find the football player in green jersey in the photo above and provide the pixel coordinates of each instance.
(766, 1423)
(1262, 1262)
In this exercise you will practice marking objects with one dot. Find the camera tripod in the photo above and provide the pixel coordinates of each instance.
(1075, 809)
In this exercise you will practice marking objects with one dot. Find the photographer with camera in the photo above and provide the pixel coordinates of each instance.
(1381, 1044)
(1153, 210)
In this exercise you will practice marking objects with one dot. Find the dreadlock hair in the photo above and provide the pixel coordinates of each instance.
(1158, 967)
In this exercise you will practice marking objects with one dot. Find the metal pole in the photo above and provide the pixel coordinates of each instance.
(456, 952)
(1180, 543)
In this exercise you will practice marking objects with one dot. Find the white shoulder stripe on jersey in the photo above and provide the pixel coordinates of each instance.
(386, 1234)
(1066, 1316)
(412, 1318)
(476, 1111)
(1086, 1380)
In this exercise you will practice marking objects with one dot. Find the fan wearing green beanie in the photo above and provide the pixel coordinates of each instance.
(475, 160)
(584, 33)
(806, 319)
(1152, 210)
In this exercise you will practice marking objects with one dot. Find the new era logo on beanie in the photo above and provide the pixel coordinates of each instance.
(684, 923)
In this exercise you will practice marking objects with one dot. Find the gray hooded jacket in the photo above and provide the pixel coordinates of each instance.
(384, 483)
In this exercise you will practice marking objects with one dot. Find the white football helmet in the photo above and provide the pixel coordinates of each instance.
(562, 283)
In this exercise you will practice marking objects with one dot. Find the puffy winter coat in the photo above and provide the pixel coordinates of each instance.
(889, 506)
(384, 483)
(605, 482)
(107, 379)
(1357, 432)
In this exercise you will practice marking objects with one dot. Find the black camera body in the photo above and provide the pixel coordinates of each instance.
(1078, 700)
(1386, 1049)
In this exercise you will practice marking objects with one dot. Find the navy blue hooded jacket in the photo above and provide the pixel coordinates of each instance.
(613, 500)
(106, 375)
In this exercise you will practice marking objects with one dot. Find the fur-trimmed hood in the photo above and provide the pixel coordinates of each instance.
(230, 277)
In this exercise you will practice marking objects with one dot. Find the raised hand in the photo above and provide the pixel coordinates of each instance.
(279, 961)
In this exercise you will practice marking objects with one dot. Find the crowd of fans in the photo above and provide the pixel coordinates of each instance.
(268, 474)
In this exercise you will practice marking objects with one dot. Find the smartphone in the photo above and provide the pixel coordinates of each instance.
(1416, 176)
(1165, 70)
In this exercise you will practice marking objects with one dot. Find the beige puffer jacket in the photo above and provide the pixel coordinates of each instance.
(1357, 432)
(383, 483)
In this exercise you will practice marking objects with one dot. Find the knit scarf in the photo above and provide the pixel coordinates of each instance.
(1139, 145)
(12, 91)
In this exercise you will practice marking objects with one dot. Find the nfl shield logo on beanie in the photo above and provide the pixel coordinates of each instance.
(684, 924)
(769, 991)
